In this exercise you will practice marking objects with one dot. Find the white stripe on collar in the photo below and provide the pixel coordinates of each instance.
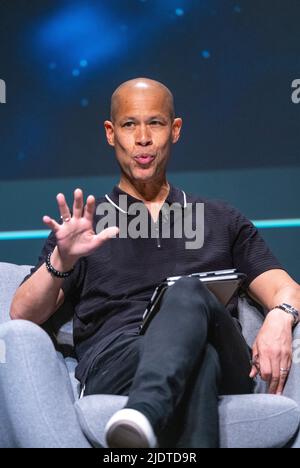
(115, 205)
(184, 199)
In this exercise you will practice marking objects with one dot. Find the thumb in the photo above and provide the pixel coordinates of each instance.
(108, 233)
(254, 370)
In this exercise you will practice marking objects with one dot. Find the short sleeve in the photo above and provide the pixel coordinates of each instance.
(251, 255)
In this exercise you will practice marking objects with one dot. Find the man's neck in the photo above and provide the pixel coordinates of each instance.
(155, 192)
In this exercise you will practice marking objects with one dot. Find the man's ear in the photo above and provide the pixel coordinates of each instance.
(176, 129)
(110, 133)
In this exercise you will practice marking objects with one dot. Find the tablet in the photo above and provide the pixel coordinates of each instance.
(222, 283)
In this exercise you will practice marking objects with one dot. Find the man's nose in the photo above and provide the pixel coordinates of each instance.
(143, 136)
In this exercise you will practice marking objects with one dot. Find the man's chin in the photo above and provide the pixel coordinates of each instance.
(144, 175)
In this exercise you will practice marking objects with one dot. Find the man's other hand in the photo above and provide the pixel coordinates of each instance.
(272, 351)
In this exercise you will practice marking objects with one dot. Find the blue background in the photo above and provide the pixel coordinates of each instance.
(230, 65)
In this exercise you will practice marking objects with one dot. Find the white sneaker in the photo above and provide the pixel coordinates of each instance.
(129, 428)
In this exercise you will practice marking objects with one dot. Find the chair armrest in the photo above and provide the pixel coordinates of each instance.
(11, 276)
(292, 387)
(250, 317)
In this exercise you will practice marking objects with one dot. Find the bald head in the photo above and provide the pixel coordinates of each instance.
(146, 86)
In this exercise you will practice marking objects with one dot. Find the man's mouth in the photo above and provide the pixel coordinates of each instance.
(144, 159)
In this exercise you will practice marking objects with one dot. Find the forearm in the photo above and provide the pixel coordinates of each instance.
(38, 298)
(288, 294)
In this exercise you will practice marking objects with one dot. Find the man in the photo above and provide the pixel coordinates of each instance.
(192, 350)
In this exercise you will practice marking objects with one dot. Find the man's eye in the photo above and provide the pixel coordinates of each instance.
(156, 122)
(128, 124)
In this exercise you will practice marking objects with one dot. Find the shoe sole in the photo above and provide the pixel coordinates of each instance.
(126, 434)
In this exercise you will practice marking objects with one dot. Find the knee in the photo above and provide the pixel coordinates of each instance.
(190, 283)
(18, 335)
(195, 288)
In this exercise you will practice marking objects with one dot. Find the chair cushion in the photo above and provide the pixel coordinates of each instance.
(71, 364)
(257, 421)
(94, 412)
(247, 421)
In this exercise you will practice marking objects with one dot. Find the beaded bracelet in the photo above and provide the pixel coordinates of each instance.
(54, 272)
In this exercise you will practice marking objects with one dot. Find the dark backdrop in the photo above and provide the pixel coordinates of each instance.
(229, 63)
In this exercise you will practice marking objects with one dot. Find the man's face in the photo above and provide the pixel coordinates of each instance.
(142, 133)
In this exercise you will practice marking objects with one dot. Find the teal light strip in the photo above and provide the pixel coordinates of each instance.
(44, 233)
(24, 235)
(277, 223)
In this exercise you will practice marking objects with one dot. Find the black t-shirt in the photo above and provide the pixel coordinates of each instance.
(110, 289)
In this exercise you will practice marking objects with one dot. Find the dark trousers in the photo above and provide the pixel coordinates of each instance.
(192, 352)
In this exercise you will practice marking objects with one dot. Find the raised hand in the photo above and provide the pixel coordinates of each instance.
(75, 236)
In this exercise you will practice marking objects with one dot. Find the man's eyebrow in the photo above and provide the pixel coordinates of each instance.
(130, 118)
(157, 117)
(127, 117)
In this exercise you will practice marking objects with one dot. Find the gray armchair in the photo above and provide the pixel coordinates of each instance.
(41, 406)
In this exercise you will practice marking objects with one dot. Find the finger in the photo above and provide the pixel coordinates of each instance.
(63, 206)
(275, 373)
(286, 364)
(89, 208)
(281, 384)
(274, 381)
(254, 372)
(255, 364)
(290, 362)
(98, 239)
(106, 234)
(255, 353)
(78, 203)
(265, 369)
(51, 223)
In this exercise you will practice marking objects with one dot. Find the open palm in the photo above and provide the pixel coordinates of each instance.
(75, 236)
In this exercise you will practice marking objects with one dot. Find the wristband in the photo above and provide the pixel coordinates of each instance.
(290, 310)
(53, 271)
